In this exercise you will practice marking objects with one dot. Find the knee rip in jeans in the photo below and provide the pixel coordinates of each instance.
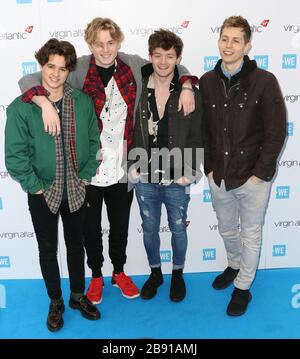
(182, 210)
(146, 213)
(178, 221)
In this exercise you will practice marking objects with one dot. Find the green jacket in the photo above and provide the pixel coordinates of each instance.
(30, 155)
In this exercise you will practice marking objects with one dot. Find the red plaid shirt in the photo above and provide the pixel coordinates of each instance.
(34, 91)
(194, 80)
(94, 87)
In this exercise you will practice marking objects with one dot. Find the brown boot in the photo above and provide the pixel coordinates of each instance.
(55, 320)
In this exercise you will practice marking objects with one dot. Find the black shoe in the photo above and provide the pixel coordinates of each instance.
(87, 309)
(54, 319)
(177, 290)
(155, 280)
(224, 280)
(239, 302)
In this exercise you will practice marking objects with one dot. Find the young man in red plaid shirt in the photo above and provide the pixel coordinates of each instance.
(113, 80)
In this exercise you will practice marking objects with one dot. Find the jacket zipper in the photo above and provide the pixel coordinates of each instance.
(230, 88)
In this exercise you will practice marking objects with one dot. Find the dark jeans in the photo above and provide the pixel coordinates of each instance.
(118, 202)
(45, 224)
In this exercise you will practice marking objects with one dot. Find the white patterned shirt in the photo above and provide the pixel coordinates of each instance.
(113, 117)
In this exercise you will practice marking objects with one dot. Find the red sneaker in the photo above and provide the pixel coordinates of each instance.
(128, 288)
(94, 292)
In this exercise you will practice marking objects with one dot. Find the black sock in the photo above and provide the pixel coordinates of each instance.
(241, 290)
(177, 271)
(57, 301)
(76, 296)
(118, 269)
(97, 274)
(156, 271)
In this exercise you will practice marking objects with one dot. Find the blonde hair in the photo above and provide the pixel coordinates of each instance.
(99, 24)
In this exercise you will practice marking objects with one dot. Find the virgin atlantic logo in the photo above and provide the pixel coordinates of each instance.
(254, 28)
(185, 24)
(17, 35)
(141, 31)
(265, 23)
(29, 29)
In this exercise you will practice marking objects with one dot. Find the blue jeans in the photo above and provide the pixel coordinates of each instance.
(150, 198)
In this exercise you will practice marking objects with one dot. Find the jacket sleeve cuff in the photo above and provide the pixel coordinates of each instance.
(33, 91)
(263, 176)
(193, 79)
(35, 188)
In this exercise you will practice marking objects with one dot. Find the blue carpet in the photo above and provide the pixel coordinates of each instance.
(200, 316)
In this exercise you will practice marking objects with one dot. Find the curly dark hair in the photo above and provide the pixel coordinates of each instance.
(165, 39)
(56, 47)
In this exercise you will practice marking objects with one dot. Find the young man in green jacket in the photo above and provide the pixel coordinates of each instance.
(55, 171)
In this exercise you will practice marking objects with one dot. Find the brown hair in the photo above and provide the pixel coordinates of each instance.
(166, 40)
(56, 47)
(238, 21)
(99, 23)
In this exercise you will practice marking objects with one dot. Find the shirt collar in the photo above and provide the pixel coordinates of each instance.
(230, 74)
(173, 83)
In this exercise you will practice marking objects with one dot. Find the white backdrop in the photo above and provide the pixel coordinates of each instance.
(26, 24)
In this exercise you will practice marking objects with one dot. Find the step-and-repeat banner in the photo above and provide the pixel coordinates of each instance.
(26, 24)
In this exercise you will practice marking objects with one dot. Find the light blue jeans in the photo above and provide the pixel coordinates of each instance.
(240, 214)
(150, 198)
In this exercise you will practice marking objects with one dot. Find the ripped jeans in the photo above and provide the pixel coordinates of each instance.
(150, 198)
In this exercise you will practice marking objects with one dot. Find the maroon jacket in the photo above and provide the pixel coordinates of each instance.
(244, 124)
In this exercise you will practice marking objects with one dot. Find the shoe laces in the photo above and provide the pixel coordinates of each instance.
(56, 309)
(124, 279)
(85, 302)
(96, 285)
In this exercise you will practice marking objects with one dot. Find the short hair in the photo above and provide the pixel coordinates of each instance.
(98, 24)
(240, 22)
(56, 47)
(165, 39)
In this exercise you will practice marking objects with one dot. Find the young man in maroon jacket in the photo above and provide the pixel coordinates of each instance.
(245, 129)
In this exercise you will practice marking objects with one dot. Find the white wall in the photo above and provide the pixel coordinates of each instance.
(197, 23)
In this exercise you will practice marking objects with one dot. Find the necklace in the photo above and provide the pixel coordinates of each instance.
(56, 104)
(109, 101)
